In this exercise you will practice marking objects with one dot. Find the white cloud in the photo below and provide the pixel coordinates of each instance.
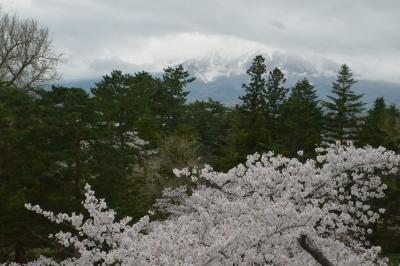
(95, 34)
(154, 53)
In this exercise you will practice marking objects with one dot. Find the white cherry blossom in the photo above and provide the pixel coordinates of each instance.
(271, 210)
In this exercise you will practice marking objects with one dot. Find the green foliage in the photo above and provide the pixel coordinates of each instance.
(209, 122)
(16, 159)
(36, 148)
(255, 126)
(251, 131)
(381, 128)
(301, 121)
(275, 97)
(253, 101)
(394, 259)
(127, 103)
(343, 109)
(172, 96)
(53, 141)
(275, 93)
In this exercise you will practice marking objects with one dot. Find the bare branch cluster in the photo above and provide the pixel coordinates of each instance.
(27, 57)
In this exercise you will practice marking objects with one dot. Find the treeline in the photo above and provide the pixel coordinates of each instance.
(130, 131)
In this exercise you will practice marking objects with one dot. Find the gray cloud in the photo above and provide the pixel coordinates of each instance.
(278, 24)
(104, 65)
(362, 33)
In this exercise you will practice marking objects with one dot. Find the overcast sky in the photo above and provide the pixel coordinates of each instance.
(97, 36)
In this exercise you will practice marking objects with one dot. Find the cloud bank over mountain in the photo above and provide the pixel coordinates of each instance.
(210, 68)
(97, 36)
(222, 78)
(217, 39)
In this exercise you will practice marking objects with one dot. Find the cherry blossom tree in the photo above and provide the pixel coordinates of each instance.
(271, 210)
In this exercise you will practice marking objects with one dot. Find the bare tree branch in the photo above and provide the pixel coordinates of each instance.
(27, 57)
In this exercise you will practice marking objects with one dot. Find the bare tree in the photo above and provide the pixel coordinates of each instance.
(27, 57)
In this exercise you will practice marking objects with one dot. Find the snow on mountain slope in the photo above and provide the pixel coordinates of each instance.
(221, 77)
(209, 69)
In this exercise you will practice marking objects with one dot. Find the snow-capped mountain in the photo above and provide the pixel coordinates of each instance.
(221, 78)
(211, 68)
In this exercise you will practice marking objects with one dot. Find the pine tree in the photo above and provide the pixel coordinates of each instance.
(254, 102)
(391, 128)
(208, 120)
(276, 92)
(381, 128)
(343, 109)
(275, 96)
(372, 132)
(18, 182)
(45, 158)
(171, 96)
(67, 127)
(110, 94)
(251, 127)
(127, 103)
(301, 126)
(391, 131)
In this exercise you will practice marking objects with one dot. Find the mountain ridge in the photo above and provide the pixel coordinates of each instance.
(221, 78)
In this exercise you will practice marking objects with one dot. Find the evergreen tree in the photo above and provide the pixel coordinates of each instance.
(18, 182)
(109, 95)
(87, 150)
(141, 105)
(343, 109)
(391, 128)
(372, 132)
(47, 162)
(381, 128)
(171, 96)
(275, 96)
(253, 102)
(209, 122)
(301, 119)
(250, 123)
(126, 105)
(276, 92)
(66, 126)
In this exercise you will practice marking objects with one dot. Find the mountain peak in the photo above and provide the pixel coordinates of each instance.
(208, 69)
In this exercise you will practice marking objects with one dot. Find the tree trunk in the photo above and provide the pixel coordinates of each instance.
(20, 255)
(313, 251)
(385, 222)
